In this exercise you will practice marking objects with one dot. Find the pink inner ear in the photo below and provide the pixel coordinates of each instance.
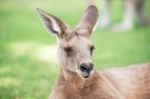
(50, 26)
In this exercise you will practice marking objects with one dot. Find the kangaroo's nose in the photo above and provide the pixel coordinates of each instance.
(86, 67)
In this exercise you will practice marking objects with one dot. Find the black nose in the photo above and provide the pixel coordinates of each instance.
(86, 67)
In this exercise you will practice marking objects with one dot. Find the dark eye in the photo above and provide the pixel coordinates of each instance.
(92, 48)
(68, 49)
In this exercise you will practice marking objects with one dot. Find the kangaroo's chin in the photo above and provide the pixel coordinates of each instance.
(86, 75)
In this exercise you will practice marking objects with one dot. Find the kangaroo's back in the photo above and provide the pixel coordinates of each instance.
(133, 82)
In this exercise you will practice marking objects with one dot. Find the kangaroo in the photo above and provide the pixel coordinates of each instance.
(78, 79)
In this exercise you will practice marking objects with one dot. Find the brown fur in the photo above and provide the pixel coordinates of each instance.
(133, 82)
(126, 83)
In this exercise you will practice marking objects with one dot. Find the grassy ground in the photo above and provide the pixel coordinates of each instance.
(28, 65)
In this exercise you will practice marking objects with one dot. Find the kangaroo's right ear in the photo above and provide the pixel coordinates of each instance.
(52, 23)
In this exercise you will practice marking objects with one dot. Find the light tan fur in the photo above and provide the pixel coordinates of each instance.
(74, 48)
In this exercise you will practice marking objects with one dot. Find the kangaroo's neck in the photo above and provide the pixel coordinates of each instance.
(96, 83)
(73, 79)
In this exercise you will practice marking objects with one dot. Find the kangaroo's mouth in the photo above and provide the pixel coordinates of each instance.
(87, 74)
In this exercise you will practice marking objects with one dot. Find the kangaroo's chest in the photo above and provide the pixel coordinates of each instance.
(77, 93)
(89, 92)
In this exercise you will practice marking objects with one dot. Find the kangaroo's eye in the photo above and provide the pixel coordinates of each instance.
(68, 49)
(92, 48)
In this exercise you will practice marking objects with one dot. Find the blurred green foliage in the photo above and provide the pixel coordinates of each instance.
(22, 36)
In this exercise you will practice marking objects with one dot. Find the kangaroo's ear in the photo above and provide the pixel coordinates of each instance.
(52, 23)
(89, 20)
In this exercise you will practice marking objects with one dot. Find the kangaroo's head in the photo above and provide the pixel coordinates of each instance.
(75, 46)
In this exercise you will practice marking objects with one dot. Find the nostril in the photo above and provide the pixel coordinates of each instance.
(86, 67)
(83, 67)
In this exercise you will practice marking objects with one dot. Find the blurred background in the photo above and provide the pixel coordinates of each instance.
(28, 62)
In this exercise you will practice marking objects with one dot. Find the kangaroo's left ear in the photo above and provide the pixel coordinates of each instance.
(52, 23)
(89, 20)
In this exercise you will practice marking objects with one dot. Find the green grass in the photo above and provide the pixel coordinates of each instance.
(26, 72)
